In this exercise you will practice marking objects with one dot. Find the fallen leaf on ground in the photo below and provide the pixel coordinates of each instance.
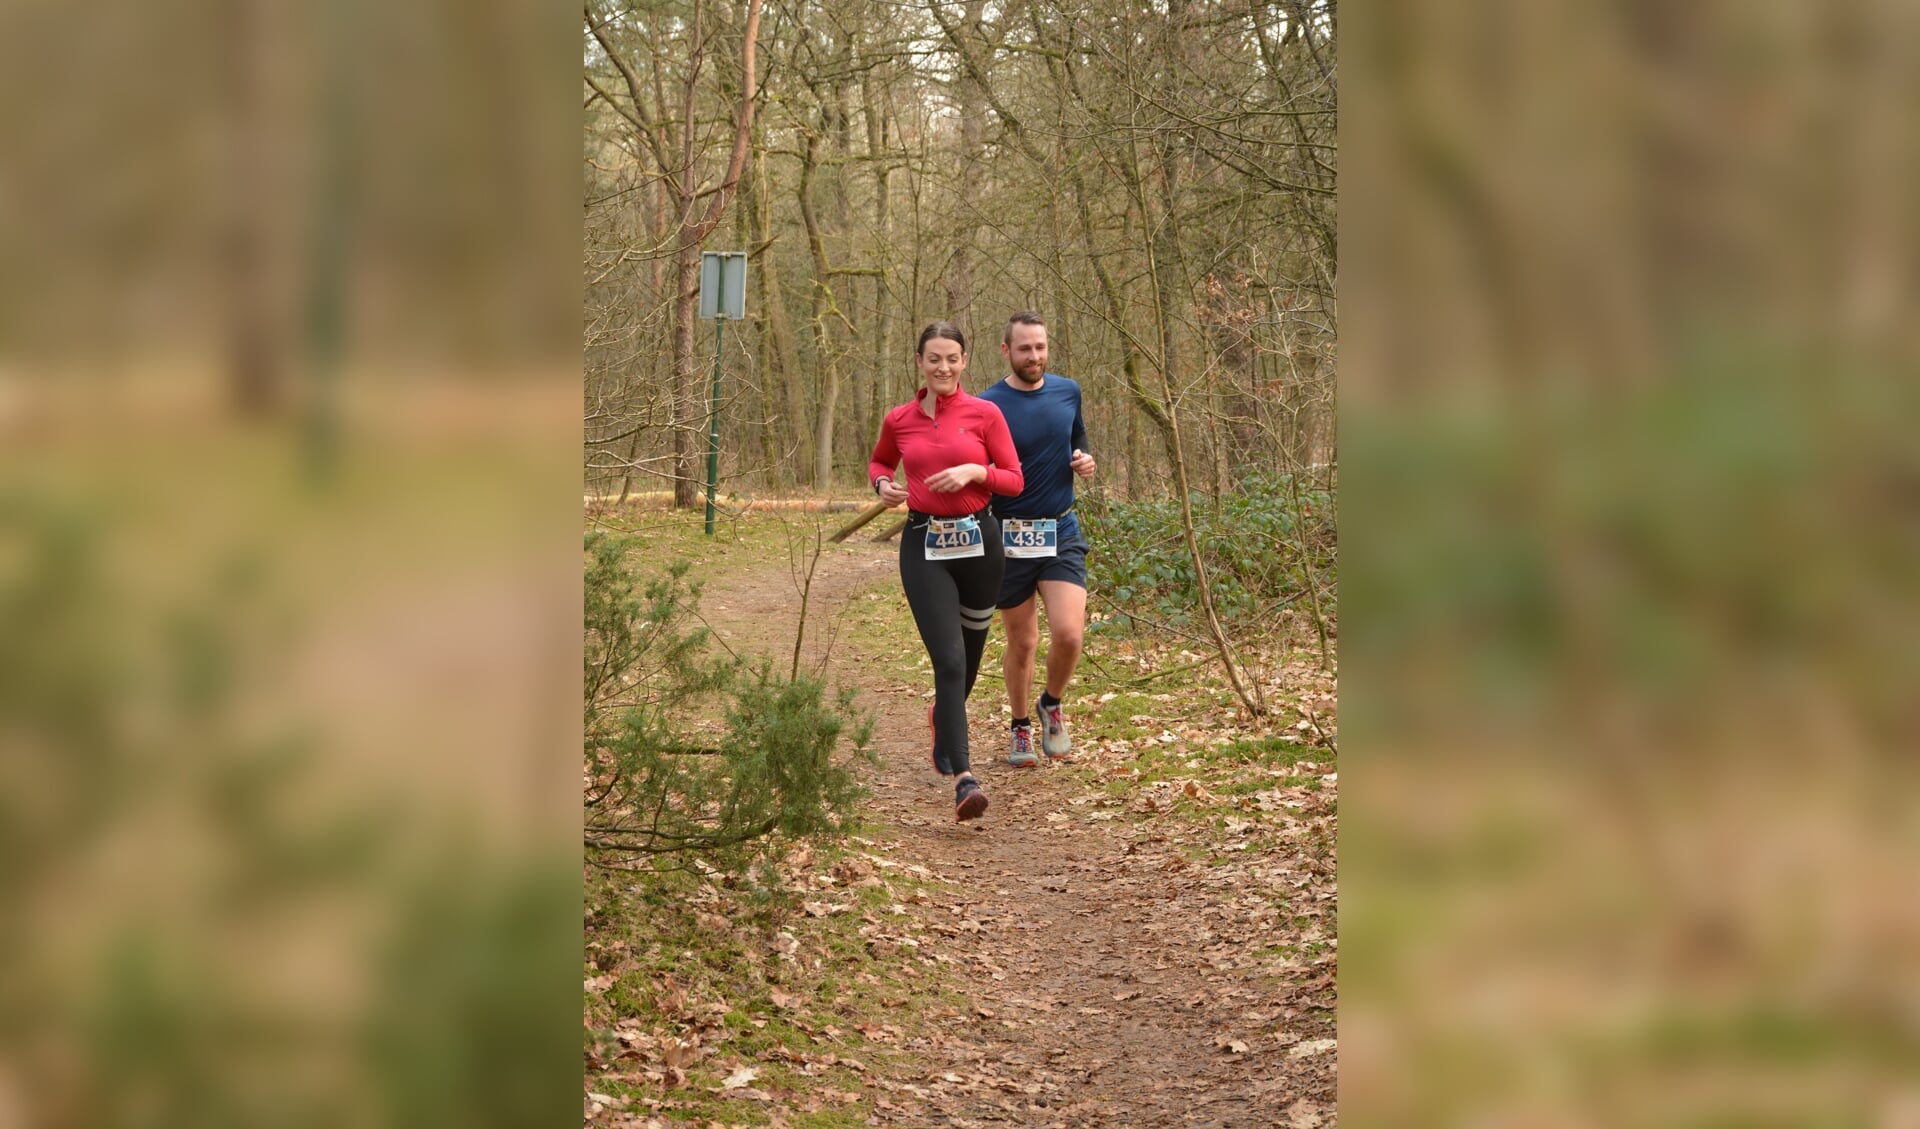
(1312, 1047)
(1194, 790)
(740, 1077)
(678, 1053)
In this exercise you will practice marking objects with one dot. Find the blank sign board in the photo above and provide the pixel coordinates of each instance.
(723, 284)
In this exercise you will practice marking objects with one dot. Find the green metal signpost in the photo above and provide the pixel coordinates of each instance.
(723, 295)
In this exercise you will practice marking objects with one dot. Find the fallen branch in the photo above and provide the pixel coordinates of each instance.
(664, 499)
(866, 515)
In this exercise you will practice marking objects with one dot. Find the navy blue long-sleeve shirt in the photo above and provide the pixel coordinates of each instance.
(1046, 426)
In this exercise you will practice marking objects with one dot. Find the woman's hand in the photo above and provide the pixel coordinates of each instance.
(956, 477)
(891, 492)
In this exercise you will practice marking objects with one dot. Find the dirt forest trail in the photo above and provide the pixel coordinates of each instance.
(1111, 981)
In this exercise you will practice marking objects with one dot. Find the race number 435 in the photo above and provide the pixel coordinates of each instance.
(1036, 538)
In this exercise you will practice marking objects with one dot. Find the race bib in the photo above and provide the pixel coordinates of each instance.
(951, 538)
(1038, 538)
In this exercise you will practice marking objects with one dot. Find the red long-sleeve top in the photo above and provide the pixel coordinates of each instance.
(964, 429)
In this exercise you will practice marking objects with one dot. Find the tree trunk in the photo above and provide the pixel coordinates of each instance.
(686, 375)
(780, 364)
(754, 196)
(823, 305)
(793, 391)
(1136, 466)
(973, 113)
(688, 398)
(1160, 412)
(1216, 443)
(882, 382)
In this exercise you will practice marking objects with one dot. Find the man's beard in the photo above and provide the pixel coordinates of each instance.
(1030, 374)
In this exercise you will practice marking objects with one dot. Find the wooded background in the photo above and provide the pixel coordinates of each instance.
(1156, 179)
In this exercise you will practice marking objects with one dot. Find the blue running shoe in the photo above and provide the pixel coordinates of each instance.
(969, 802)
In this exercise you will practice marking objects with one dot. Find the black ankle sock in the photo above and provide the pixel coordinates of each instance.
(1022, 723)
(1047, 700)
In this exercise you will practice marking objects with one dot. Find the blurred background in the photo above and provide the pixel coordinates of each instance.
(289, 586)
(289, 477)
(1630, 821)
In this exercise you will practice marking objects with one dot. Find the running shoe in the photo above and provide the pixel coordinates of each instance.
(1022, 755)
(1053, 737)
(969, 802)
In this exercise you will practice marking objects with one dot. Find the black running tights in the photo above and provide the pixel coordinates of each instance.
(952, 603)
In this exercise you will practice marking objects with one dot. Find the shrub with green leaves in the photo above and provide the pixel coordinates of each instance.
(1262, 545)
(690, 755)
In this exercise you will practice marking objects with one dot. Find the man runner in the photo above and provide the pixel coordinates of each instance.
(1044, 550)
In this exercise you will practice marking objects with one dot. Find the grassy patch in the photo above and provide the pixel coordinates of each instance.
(802, 974)
(1273, 751)
(877, 625)
(739, 543)
(1161, 735)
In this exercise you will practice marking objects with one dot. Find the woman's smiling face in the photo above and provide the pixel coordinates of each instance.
(941, 362)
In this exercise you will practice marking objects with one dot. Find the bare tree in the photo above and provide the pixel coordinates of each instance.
(679, 172)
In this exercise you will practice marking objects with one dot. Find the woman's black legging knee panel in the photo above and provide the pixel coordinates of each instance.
(952, 602)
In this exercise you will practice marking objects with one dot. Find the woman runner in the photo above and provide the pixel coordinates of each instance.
(954, 453)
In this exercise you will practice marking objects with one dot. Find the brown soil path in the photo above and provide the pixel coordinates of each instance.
(1112, 982)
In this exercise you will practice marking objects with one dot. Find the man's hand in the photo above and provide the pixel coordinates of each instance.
(891, 492)
(956, 477)
(1082, 463)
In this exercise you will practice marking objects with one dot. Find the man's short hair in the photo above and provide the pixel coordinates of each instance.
(1024, 317)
